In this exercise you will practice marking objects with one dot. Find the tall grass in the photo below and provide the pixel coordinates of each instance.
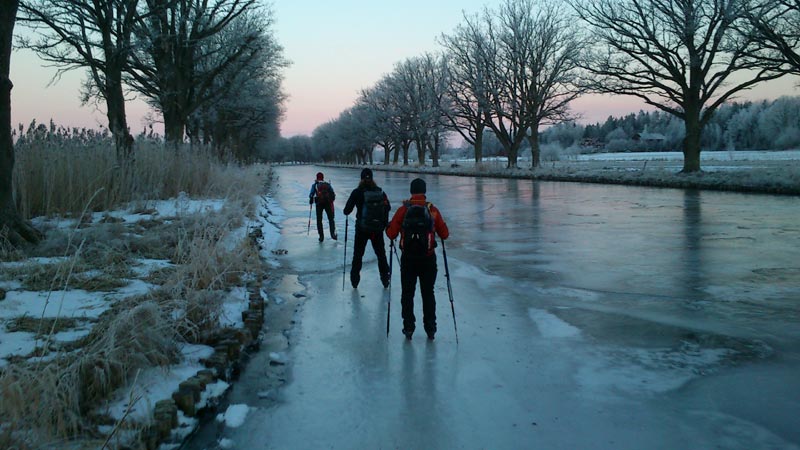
(58, 171)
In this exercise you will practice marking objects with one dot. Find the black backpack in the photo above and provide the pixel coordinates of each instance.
(324, 193)
(373, 212)
(417, 226)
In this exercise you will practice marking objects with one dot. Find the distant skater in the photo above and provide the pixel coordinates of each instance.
(323, 195)
(418, 222)
(371, 218)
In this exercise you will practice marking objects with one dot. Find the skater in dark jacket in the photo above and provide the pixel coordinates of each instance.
(371, 217)
(323, 195)
(417, 223)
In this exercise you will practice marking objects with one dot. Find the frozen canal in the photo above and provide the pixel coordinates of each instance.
(589, 317)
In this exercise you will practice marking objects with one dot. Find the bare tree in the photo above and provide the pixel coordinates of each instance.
(513, 70)
(466, 83)
(247, 117)
(777, 28)
(95, 35)
(384, 119)
(12, 228)
(552, 68)
(171, 66)
(417, 86)
(679, 56)
(507, 37)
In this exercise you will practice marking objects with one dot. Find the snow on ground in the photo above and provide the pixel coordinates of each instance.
(149, 385)
(786, 155)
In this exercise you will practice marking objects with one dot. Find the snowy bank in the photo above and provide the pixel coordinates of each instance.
(756, 172)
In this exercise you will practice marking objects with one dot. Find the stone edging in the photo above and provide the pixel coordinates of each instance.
(224, 364)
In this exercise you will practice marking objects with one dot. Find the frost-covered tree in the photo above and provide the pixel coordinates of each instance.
(177, 62)
(391, 124)
(677, 55)
(13, 229)
(95, 36)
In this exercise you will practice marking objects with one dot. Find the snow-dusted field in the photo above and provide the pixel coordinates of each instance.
(787, 155)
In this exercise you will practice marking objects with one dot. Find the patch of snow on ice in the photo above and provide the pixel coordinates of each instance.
(550, 326)
(226, 443)
(234, 416)
(648, 371)
(278, 358)
(212, 393)
(268, 215)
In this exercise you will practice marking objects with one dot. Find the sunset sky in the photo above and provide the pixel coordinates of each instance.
(336, 48)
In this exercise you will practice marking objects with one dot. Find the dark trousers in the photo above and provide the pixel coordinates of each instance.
(424, 269)
(360, 245)
(328, 208)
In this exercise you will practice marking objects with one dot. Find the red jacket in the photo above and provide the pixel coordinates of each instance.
(396, 225)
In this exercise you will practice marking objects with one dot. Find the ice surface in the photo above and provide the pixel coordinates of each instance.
(589, 316)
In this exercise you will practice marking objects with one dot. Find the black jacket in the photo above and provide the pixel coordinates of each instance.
(356, 200)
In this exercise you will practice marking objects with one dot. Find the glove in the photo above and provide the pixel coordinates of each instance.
(310, 200)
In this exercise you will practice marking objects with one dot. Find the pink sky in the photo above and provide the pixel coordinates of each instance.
(341, 48)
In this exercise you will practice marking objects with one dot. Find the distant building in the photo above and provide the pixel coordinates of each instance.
(592, 143)
(649, 137)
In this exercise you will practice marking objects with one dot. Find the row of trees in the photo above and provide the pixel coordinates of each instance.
(507, 71)
(764, 125)
(211, 68)
(512, 69)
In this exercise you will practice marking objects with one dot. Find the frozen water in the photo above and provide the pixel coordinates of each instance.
(589, 316)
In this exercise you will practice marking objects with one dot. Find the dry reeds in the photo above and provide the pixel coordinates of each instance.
(49, 400)
(57, 173)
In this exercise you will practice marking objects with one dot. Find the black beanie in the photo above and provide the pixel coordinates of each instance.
(366, 174)
(418, 186)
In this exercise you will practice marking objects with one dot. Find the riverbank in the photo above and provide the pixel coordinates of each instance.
(767, 176)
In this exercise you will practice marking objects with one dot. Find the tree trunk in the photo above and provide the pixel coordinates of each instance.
(387, 153)
(479, 144)
(12, 228)
(396, 157)
(406, 145)
(691, 142)
(533, 140)
(435, 151)
(117, 118)
(174, 126)
(512, 156)
(420, 152)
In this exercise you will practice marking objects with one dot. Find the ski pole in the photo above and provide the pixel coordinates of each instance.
(308, 233)
(449, 288)
(395, 255)
(389, 305)
(344, 261)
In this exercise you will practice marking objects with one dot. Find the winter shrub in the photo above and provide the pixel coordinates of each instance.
(550, 152)
(789, 138)
(621, 145)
